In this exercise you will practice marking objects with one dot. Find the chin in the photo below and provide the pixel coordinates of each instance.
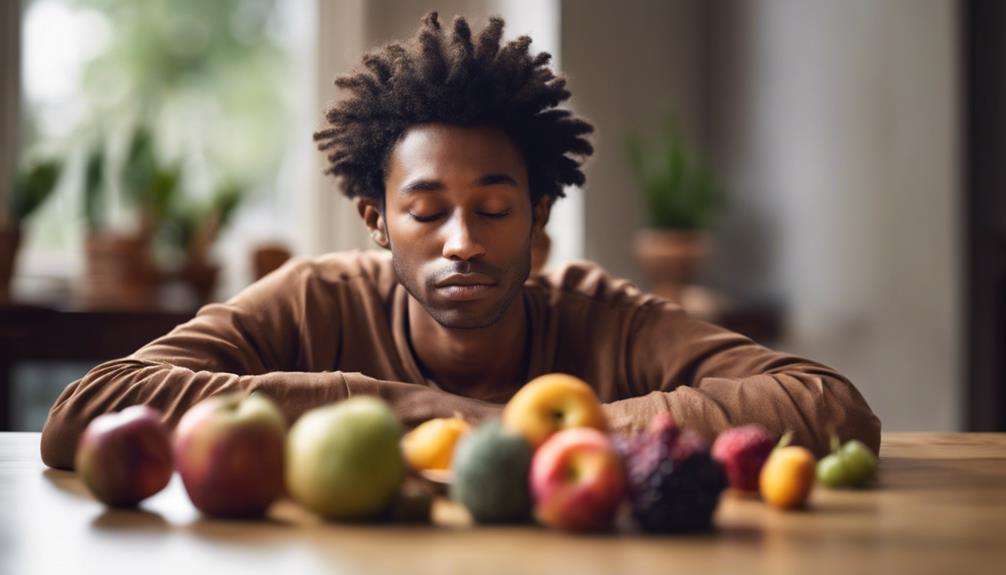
(460, 318)
(473, 314)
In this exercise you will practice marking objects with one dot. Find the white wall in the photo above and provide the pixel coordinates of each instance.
(836, 124)
(629, 64)
(330, 222)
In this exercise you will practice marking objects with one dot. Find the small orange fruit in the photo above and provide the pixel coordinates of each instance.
(787, 477)
(431, 444)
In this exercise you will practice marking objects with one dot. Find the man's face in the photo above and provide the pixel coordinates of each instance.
(458, 219)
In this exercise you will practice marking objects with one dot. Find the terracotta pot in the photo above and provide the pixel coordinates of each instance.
(541, 247)
(119, 271)
(268, 257)
(671, 259)
(201, 276)
(10, 240)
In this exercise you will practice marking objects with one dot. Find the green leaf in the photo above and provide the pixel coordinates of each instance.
(226, 200)
(163, 189)
(680, 190)
(33, 185)
(140, 169)
(94, 177)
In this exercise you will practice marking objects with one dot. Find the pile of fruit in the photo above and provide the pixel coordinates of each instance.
(550, 458)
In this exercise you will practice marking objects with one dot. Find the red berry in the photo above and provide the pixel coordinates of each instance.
(663, 424)
(742, 451)
(688, 444)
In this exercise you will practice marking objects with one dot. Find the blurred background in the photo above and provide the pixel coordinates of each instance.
(821, 175)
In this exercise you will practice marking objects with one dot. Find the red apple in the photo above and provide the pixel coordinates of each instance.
(125, 457)
(229, 450)
(577, 480)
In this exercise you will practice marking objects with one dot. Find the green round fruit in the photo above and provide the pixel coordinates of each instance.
(860, 462)
(831, 471)
(491, 469)
(344, 460)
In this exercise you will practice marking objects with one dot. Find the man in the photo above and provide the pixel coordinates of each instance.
(454, 150)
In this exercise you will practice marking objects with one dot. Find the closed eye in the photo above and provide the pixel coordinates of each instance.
(429, 218)
(496, 215)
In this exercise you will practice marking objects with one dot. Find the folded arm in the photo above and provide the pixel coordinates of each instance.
(711, 379)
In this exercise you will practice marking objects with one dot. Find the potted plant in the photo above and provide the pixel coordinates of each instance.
(32, 185)
(682, 199)
(194, 228)
(119, 265)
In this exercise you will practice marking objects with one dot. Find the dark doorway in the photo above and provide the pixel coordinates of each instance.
(985, 213)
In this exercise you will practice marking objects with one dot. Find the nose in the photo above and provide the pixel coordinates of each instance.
(461, 243)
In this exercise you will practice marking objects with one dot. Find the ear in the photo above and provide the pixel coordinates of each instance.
(542, 210)
(374, 220)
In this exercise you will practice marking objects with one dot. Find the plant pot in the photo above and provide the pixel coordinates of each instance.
(268, 257)
(201, 276)
(10, 240)
(671, 259)
(119, 271)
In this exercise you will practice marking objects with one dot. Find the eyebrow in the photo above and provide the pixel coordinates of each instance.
(417, 186)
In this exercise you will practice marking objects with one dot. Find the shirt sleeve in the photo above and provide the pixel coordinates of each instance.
(225, 348)
(711, 379)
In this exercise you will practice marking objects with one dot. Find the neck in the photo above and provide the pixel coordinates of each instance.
(473, 362)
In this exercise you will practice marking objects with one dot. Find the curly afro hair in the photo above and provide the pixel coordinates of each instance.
(459, 81)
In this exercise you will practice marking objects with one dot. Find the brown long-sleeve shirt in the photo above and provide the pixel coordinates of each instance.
(323, 329)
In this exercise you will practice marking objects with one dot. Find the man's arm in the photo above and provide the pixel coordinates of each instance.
(217, 352)
(711, 379)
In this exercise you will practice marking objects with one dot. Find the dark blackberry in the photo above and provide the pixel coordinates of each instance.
(641, 456)
(674, 488)
(642, 452)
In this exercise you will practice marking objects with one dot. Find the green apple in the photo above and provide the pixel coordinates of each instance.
(849, 465)
(860, 461)
(344, 461)
(832, 471)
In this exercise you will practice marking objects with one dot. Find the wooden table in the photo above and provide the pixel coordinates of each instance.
(940, 507)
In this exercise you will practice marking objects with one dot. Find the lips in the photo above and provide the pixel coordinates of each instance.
(465, 287)
(466, 280)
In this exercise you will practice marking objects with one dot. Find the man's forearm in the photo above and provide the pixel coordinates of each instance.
(115, 385)
(811, 406)
(173, 390)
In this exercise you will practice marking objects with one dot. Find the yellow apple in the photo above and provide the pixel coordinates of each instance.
(551, 403)
(431, 445)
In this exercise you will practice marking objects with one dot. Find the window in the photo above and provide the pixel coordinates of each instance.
(225, 87)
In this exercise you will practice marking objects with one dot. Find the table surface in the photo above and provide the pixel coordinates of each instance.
(939, 507)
